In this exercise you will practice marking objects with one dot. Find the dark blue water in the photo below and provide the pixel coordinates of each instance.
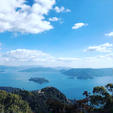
(72, 88)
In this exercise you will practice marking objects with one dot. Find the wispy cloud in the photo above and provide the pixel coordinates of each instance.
(79, 25)
(35, 57)
(109, 34)
(107, 47)
(61, 9)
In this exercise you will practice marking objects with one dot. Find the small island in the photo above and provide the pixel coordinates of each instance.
(39, 80)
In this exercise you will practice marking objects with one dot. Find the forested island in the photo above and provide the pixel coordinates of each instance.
(39, 80)
(51, 100)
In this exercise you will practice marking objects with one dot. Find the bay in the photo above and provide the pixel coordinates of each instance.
(72, 88)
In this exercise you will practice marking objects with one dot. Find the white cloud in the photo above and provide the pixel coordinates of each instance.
(28, 57)
(54, 19)
(79, 25)
(61, 9)
(68, 59)
(100, 61)
(109, 34)
(25, 57)
(107, 47)
(17, 16)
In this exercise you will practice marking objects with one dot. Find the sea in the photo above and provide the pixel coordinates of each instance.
(73, 88)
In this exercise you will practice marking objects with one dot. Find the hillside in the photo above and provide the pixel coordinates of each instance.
(51, 100)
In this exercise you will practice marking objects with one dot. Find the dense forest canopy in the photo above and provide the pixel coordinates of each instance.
(51, 100)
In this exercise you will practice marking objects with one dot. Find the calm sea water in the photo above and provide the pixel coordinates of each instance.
(72, 88)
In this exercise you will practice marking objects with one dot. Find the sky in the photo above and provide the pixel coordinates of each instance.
(56, 33)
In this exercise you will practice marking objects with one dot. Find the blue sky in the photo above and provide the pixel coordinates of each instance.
(75, 33)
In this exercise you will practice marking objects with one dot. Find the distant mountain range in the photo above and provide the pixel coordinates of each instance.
(27, 69)
(38, 69)
(10, 68)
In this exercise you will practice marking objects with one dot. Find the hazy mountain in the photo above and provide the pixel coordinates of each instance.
(39, 69)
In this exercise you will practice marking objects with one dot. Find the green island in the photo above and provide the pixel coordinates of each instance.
(87, 73)
(39, 80)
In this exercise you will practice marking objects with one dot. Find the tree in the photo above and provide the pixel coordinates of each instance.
(101, 99)
(110, 88)
(12, 103)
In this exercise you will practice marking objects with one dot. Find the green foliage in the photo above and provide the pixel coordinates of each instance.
(102, 99)
(50, 100)
(110, 88)
(12, 103)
